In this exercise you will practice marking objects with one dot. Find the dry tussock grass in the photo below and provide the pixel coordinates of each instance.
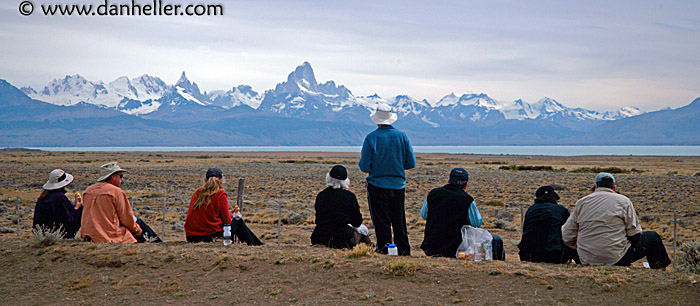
(360, 250)
(400, 267)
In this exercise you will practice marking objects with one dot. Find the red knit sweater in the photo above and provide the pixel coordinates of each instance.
(210, 218)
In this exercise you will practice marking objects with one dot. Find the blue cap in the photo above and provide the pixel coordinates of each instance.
(390, 245)
(459, 174)
(603, 175)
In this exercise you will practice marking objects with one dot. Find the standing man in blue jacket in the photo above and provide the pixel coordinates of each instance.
(386, 154)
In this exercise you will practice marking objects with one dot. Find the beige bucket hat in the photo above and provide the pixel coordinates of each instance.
(383, 115)
(108, 169)
(58, 179)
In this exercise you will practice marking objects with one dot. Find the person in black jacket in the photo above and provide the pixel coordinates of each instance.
(446, 210)
(541, 241)
(53, 210)
(338, 217)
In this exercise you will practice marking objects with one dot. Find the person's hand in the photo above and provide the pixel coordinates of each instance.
(78, 200)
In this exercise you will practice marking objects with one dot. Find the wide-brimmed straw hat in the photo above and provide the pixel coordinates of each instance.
(58, 179)
(108, 169)
(383, 115)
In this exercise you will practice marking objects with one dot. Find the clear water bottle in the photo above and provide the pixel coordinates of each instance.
(392, 250)
(488, 251)
(479, 252)
(227, 234)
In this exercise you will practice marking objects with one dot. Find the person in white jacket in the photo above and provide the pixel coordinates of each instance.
(605, 230)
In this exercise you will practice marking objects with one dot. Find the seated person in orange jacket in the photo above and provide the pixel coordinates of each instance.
(107, 214)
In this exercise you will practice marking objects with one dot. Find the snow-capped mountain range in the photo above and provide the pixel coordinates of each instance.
(301, 96)
(302, 112)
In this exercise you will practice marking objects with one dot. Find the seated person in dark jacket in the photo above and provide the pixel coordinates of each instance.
(338, 217)
(541, 240)
(53, 210)
(446, 210)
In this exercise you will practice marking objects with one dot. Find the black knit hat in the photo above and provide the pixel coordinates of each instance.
(546, 193)
(339, 172)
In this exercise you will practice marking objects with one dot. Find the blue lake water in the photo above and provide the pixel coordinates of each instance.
(509, 150)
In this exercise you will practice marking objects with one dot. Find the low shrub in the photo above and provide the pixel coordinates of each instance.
(689, 261)
(399, 268)
(526, 168)
(47, 236)
(493, 203)
(605, 169)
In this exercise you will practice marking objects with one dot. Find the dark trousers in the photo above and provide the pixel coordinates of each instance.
(386, 206)
(555, 257)
(238, 228)
(146, 232)
(649, 245)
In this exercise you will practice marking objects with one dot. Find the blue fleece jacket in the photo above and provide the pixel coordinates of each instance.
(386, 154)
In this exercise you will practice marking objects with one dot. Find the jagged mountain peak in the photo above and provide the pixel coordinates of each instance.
(549, 105)
(629, 111)
(183, 79)
(28, 90)
(189, 90)
(301, 79)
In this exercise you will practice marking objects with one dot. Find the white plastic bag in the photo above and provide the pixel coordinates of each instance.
(362, 229)
(476, 242)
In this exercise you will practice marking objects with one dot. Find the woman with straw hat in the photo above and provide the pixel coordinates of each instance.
(53, 210)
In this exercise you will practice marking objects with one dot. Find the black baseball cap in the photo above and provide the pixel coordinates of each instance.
(215, 172)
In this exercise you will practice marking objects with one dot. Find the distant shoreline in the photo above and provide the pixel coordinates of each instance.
(662, 150)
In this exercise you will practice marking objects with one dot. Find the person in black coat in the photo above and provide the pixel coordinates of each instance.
(446, 210)
(53, 210)
(541, 241)
(338, 217)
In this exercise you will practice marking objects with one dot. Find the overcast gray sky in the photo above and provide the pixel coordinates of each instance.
(599, 55)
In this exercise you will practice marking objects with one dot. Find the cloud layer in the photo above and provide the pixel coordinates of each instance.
(591, 54)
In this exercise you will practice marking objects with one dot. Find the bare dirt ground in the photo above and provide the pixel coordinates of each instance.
(81, 273)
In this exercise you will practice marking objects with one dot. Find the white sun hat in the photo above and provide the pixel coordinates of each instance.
(58, 179)
(383, 115)
(108, 169)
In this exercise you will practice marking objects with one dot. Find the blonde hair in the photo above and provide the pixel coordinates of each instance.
(212, 185)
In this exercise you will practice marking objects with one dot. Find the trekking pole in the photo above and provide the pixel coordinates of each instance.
(674, 238)
(279, 224)
(17, 217)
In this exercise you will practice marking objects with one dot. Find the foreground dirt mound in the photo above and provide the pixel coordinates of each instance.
(83, 273)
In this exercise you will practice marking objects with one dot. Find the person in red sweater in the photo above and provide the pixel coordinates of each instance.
(209, 212)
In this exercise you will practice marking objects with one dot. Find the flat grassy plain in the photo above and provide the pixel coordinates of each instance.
(76, 272)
